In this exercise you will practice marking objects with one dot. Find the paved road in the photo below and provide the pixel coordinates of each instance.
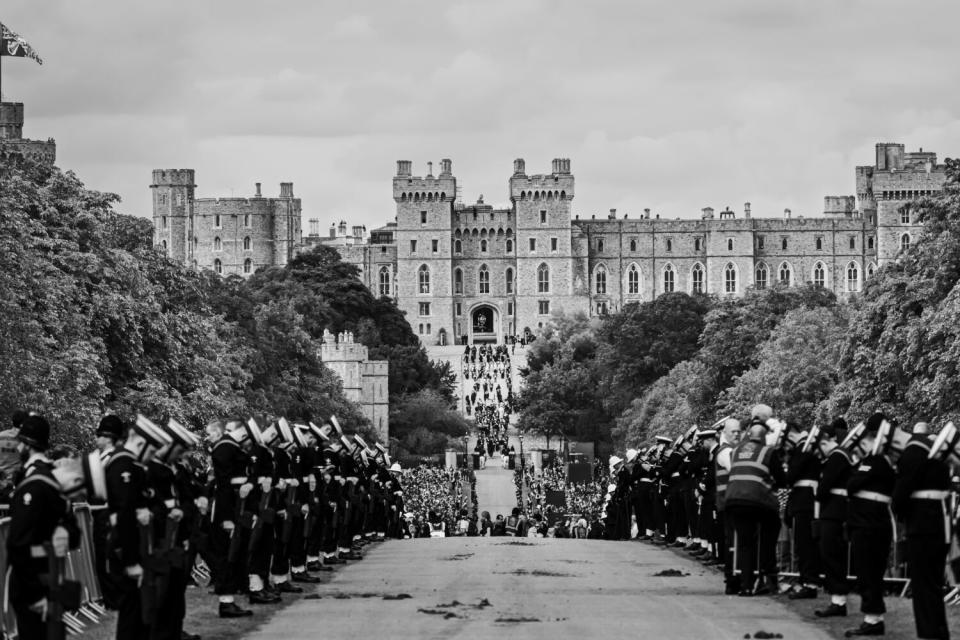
(536, 588)
(496, 491)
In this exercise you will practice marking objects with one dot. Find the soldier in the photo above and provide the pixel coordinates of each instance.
(37, 511)
(110, 432)
(870, 526)
(803, 474)
(130, 535)
(304, 518)
(706, 480)
(262, 504)
(231, 488)
(756, 470)
(832, 512)
(285, 494)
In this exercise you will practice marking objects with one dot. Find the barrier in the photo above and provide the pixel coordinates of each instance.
(79, 566)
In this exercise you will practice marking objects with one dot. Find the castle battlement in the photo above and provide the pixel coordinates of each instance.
(365, 382)
(14, 145)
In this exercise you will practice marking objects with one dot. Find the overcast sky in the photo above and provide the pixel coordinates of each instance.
(669, 105)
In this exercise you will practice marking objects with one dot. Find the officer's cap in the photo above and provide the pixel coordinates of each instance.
(111, 426)
(35, 432)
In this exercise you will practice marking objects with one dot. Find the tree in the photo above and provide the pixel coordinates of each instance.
(425, 423)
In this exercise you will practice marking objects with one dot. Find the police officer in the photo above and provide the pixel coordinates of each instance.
(870, 526)
(756, 471)
(920, 500)
(37, 510)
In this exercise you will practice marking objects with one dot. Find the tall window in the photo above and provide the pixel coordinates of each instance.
(853, 277)
(600, 245)
(905, 215)
(553, 244)
(509, 280)
(853, 242)
(384, 281)
(164, 221)
(871, 269)
(543, 307)
(413, 246)
(633, 245)
(423, 277)
(423, 309)
(483, 279)
(543, 217)
(696, 244)
(163, 245)
(669, 245)
(819, 243)
(819, 275)
(760, 276)
(785, 274)
(216, 220)
(246, 219)
(246, 243)
(458, 282)
(457, 246)
(248, 265)
(783, 243)
(729, 244)
(435, 245)
(669, 280)
(633, 280)
(218, 266)
(905, 242)
(423, 217)
(483, 246)
(759, 243)
(730, 278)
(543, 279)
(217, 244)
(600, 278)
(533, 244)
(869, 242)
(509, 246)
(696, 278)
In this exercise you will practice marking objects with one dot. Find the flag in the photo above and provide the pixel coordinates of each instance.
(13, 45)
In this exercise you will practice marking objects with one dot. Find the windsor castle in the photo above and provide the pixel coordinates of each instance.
(478, 273)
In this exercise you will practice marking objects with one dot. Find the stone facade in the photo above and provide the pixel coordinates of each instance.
(480, 273)
(365, 381)
(227, 235)
(14, 145)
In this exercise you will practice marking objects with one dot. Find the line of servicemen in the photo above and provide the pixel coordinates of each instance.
(717, 493)
(269, 507)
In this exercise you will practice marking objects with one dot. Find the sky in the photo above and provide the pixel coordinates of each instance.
(670, 105)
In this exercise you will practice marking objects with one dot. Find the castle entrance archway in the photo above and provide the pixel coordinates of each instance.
(484, 324)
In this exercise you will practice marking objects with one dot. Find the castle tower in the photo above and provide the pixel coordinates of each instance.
(424, 238)
(287, 225)
(545, 265)
(172, 212)
(12, 142)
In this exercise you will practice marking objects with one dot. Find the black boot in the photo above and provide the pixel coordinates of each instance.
(286, 587)
(231, 610)
(263, 597)
(303, 576)
(833, 611)
(866, 629)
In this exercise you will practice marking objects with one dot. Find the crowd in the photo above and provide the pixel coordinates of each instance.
(438, 501)
(271, 505)
(724, 493)
(488, 398)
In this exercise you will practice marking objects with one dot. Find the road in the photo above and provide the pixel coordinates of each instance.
(536, 588)
(496, 491)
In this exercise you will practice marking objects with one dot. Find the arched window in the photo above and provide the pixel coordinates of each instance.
(384, 281)
(853, 277)
(246, 243)
(163, 245)
(483, 279)
(633, 280)
(696, 279)
(483, 246)
(246, 219)
(669, 244)
(218, 266)
(217, 244)
(760, 276)
(600, 245)
(600, 279)
(423, 277)
(543, 279)
(905, 242)
(457, 246)
(509, 281)
(871, 269)
(785, 274)
(216, 220)
(730, 278)
(509, 246)
(819, 275)
(458, 281)
(669, 279)
(248, 266)
(633, 245)
(905, 214)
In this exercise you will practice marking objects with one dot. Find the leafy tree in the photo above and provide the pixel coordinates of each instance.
(425, 423)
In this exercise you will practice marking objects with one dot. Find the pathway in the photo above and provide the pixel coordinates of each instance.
(496, 491)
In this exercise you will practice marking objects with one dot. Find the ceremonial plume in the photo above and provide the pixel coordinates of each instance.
(13, 45)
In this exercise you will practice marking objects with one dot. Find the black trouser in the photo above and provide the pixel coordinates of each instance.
(757, 530)
(691, 512)
(298, 544)
(833, 557)
(659, 512)
(926, 559)
(644, 508)
(261, 550)
(231, 573)
(706, 528)
(29, 623)
(870, 549)
(676, 515)
(281, 545)
(725, 547)
(101, 533)
(168, 624)
(805, 548)
(130, 624)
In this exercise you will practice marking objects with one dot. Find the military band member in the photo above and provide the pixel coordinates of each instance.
(870, 526)
(262, 504)
(920, 498)
(706, 481)
(803, 475)
(110, 432)
(831, 516)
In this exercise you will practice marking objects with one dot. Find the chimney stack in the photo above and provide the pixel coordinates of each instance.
(519, 167)
(429, 169)
(786, 213)
(404, 168)
(746, 209)
(446, 167)
(286, 189)
(646, 214)
(613, 214)
(258, 190)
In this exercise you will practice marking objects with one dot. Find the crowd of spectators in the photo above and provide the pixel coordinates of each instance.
(577, 514)
(438, 495)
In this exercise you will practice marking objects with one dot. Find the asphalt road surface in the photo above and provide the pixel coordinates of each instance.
(528, 588)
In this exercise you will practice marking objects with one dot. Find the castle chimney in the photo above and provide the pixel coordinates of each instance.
(786, 213)
(333, 229)
(707, 213)
(429, 169)
(404, 168)
(446, 167)
(556, 165)
(519, 167)
(314, 227)
(357, 231)
(258, 190)
(613, 214)
(286, 189)
(646, 214)
(746, 209)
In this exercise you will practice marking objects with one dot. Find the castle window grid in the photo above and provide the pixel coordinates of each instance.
(869, 242)
(413, 246)
(633, 244)
(784, 273)
(423, 279)
(509, 246)
(760, 276)
(248, 266)
(819, 275)
(435, 246)
(458, 281)
(543, 216)
(669, 279)
(853, 277)
(697, 243)
(509, 280)
(697, 278)
(853, 242)
(509, 308)
(905, 242)
(424, 309)
(730, 278)
(600, 245)
(729, 244)
(218, 266)
(600, 280)
(246, 243)
(384, 275)
(669, 244)
(533, 245)
(905, 214)
(217, 244)
(457, 247)
(819, 243)
(601, 308)
(759, 243)
(543, 279)
(458, 309)
(483, 280)
(483, 246)
(633, 280)
(554, 243)
(543, 307)
(783, 244)
(423, 218)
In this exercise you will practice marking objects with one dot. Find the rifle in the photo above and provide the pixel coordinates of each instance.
(265, 517)
(292, 509)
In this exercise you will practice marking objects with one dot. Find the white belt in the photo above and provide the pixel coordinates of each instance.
(238, 481)
(839, 492)
(38, 551)
(806, 483)
(646, 480)
(170, 504)
(676, 474)
(930, 494)
(873, 496)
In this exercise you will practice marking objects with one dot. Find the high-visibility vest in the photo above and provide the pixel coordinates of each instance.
(750, 482)
(723, 475)
(512, 523)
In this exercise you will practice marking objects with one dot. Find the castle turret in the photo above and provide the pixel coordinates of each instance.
(12, 142)
(173, 192)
